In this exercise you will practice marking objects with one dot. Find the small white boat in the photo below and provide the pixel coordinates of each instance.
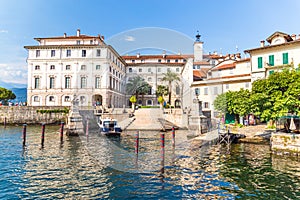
(109, 126)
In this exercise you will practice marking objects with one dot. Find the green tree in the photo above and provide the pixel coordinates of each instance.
(170, 77)
(220, 103)
(137, 86)
(6, 95)
(162, 90)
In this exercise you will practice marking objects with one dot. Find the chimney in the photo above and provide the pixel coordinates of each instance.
(138, 55)
(262, 43)
(238, 55)
(65, 35)
(78, 32)
(164, 54)
(293, 36)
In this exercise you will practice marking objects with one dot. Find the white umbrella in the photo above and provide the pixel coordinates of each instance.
(292, 125)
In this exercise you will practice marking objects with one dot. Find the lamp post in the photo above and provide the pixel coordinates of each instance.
(197, 93)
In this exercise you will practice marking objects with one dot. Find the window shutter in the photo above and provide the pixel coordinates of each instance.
(285, 58)
(259, 62)
(271, 60)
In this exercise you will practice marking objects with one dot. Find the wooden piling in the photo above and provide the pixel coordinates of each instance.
(87, 127)
(4, 123)
(24, 134)
(162, 145)
(173, 136)
(43, 134)
(62, 131)
(136, 147)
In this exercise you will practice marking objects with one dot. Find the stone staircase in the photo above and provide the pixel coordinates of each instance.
(147, 119)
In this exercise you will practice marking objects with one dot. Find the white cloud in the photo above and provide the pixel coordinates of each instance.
(129, 38)
(13, 72)
(3, 31)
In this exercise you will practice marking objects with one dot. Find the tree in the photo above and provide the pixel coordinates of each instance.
(220, 103)
(6, 95)
(170, 77)
(136, 86)
(162, 90)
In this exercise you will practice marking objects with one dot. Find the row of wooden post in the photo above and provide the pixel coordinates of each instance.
(43, 133)
(162, 141)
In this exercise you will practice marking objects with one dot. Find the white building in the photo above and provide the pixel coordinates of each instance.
(283, 50)
(152, 69)
(81, 66)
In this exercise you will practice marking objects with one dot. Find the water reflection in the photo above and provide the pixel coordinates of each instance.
(97, 167)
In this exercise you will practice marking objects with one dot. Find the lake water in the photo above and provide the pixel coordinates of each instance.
(97, 167)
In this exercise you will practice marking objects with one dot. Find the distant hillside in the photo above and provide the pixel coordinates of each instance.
(12, 85)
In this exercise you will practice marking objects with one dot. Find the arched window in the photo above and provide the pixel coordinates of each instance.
(149, 102)
(36, 98)
(51, 98)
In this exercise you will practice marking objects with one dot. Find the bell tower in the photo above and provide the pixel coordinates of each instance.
(198, 48)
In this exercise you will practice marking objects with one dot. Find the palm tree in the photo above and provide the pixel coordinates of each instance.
(162, 90)
(170, 77)
(136, 86)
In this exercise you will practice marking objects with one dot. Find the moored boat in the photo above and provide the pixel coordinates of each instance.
(109, 126)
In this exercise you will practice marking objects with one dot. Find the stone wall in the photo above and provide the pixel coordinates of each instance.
(29, 114)
(286, 143)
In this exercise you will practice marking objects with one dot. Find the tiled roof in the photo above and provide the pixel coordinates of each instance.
(202, 63)
(233, 76)
(225, 66)
(200, 73)
(69, 37)
(143, 57)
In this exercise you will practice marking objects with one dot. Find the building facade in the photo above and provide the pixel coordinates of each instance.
(80, 67)
(152, 68)
(282, 51)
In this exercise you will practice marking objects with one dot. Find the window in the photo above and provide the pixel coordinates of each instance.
(98, 53)
(36, 83)
(246, 85)
(159, 69)
(176, 60)
(83, 67)
(168, 60)
(140, 70)
(149, 79)
(230, 71)
(37, 53)
(51, 98)
(227, 86)
(215, 90)
(68, 67)
(82, 98)
(78, 42)
(52, 67)
(271, 60)
(159, 60)
(177, 90)
(168, 69)
(67, 98)
(83, 82)
(68, 82)
(259, 62)
(271, 72)
(206, 105)
(149, 69)
(97, 67)
(52, 53)
(36, 99)
(177, 69)
(51, 83)
(149, 102)
(97, 82)
(285, 58)
(69, 53)
(83, 54)
(37, 67)
(205, 91)
(133, 61)
(130, 69)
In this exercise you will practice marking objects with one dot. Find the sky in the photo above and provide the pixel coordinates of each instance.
(225, 26)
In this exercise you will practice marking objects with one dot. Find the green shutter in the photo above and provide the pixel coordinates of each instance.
(271, 60)
(271, 72)
(259, 62)
(285, 58)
